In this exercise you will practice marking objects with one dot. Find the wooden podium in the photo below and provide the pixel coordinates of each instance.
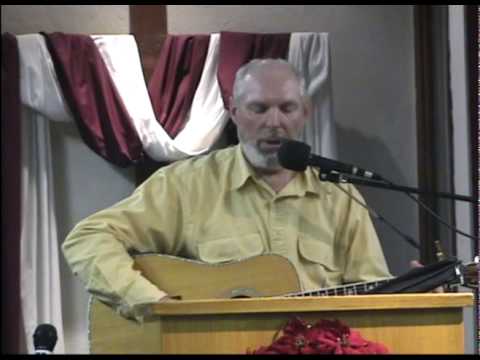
(407, 323)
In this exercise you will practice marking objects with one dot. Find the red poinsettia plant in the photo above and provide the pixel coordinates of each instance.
(323, 337)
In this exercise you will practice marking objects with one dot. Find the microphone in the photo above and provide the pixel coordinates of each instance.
(296, 156)
(44, 339)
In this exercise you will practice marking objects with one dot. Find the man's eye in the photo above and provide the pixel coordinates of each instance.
(288, 108)
(257, 108)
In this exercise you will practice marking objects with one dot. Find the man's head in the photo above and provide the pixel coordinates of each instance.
(268, 104)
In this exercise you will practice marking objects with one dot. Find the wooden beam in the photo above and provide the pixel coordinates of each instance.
(472, 17)
(473, 53)
(148, 23)
(425, 128)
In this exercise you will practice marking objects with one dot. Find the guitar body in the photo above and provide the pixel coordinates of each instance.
(193, 280)
(259, 276)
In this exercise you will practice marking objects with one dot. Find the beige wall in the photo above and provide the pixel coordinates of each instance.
(83, 19)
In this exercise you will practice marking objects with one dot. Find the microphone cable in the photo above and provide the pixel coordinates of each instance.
(372, 212)
(433, 214)
(336, 177)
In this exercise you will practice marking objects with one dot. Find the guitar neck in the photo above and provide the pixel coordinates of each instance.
(349, 289)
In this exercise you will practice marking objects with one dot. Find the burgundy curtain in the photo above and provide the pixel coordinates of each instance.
(236, 49)
(11, 195)
(101, 117)
(175, 79)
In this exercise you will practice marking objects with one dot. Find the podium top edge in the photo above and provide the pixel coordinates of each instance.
(311, 304)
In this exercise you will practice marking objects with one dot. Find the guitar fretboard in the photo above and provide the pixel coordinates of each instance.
(349, 289)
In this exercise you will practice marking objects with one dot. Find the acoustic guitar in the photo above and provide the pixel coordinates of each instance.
(260, 276)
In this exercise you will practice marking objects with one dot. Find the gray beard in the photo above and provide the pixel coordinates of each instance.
(258, 159)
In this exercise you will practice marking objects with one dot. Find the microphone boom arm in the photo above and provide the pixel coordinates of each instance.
(344, 178)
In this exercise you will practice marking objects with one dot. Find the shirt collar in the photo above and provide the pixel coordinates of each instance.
(242, 170)
(311, 183)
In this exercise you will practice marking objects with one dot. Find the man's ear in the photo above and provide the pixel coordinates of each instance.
(233, 110)
(307, 107)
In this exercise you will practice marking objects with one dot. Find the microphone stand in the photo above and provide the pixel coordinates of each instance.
(347, 178)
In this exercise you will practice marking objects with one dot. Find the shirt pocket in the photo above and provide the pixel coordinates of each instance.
(230, 249)
(317, 252)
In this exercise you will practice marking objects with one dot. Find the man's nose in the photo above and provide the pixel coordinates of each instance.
(274, 117)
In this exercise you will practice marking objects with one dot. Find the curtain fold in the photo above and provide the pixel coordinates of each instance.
(11, 195)
(207, 116)
(41, 298)
(101, 117)
(39, 257)
(116, 63)
(205, 120)
(175, 79)
(39, 86)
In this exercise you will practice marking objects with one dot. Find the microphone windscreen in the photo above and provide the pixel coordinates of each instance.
(294, 155)
(45, 337)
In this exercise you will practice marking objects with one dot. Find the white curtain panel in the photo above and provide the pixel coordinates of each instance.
(309, 53)
(39, 246)
(120, 55)
(39, 86)
(206, 118)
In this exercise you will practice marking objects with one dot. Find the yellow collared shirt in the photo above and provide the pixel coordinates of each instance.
(214, 208)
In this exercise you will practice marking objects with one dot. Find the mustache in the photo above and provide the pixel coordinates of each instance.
(273, 134)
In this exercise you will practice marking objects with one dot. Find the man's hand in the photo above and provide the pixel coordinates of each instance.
(140, 312)
(417, 264)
